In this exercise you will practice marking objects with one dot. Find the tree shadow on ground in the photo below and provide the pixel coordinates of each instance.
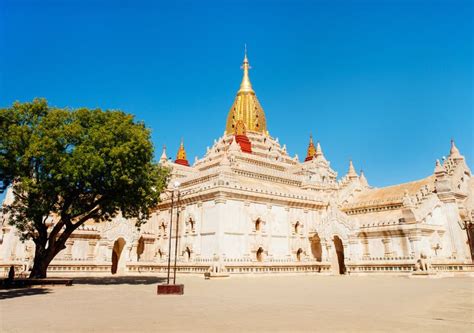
(132, 280)
(13, 293)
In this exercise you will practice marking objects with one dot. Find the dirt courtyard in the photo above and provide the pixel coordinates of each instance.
(242, 304)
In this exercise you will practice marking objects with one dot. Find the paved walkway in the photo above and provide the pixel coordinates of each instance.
(243, 304)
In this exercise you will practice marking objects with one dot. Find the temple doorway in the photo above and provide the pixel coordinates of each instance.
(260, 254)
(140, 248)
(299, 254)
(339, 247)
(316, 249)
(470, 237)
(118, 261)
(188, 253)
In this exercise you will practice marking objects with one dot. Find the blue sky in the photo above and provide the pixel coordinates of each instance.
(386, 83)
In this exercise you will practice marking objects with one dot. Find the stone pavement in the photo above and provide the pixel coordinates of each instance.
(243, 303)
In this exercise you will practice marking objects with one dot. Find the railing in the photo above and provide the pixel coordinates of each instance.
(163, 268)
(263, 268)
(453, 267)
(405, 267)
(79, 268)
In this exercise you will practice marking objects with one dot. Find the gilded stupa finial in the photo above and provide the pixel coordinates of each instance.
(181, 155)
(246, 106)
(245, 86)
(311, 149)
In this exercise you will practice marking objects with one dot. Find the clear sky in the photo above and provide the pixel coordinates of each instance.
(386, 83)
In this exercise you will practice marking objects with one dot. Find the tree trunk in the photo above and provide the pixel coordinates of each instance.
(41, 262)
(39, 268)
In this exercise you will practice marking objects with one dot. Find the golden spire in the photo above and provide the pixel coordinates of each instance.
(246, 106)
(246, 86)
(181, 152)
(181, 155)
(311, 150)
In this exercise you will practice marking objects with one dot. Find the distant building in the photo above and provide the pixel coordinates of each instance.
(249, 207)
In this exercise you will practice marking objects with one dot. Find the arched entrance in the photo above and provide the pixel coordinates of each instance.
(299, 254)
(260, 254)
(187, 253)
(316, 249)
(297, 227)
(339, 247)
(140, 248)
(190, 225)
(118, 261)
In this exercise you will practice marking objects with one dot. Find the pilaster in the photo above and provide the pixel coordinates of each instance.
(387, 244)
(92, 247)
(365, 249)
(68, 252)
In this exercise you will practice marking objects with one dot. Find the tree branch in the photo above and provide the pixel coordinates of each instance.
(52, 236)
(16, 194)
(70, 229)
(89, 208)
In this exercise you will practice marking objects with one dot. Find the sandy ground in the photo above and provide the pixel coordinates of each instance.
(243, 304)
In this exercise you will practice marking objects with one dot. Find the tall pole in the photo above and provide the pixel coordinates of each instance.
(176, 243)
(169, 236)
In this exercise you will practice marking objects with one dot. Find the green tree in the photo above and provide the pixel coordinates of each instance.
(69, 167)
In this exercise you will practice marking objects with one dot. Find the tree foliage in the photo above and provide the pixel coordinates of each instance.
(67, 167)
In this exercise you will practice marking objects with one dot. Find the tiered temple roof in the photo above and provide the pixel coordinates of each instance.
(246, 157)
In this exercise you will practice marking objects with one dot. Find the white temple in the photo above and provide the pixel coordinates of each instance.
(247, 206)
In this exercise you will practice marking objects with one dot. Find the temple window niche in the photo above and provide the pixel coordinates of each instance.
(162, 229)
(140, 248)
(259, 254)
(258, 225)
(187, 253)
(190, 225)
(299, 254)
(159, 254)
(297, 227)
(316, 248)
